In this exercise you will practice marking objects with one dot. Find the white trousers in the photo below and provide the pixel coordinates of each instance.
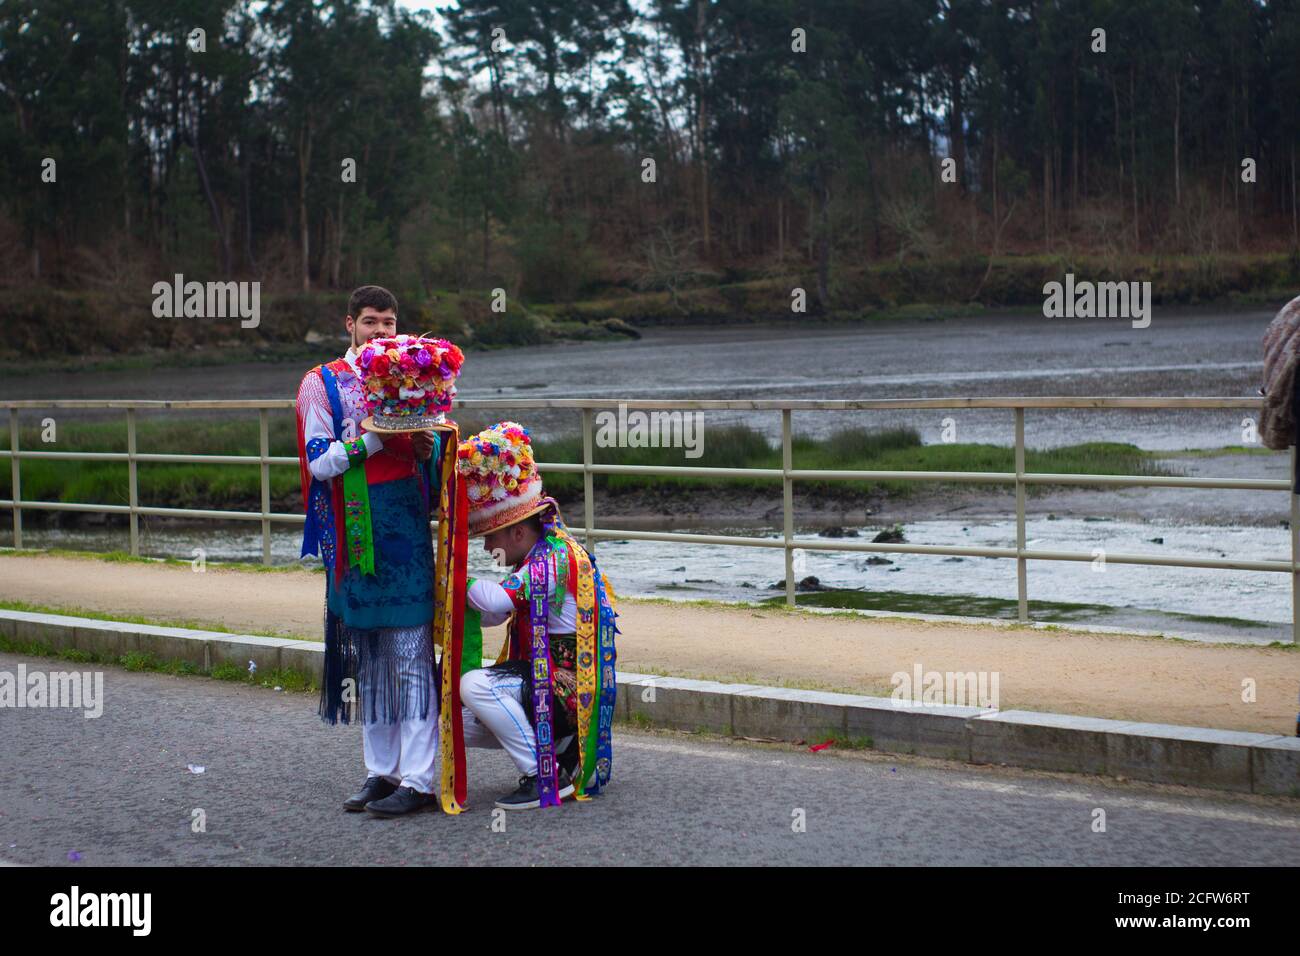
(494, 717)
(403, 753)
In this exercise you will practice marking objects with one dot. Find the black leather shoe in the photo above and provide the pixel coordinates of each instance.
(401, 801)
(375, 788)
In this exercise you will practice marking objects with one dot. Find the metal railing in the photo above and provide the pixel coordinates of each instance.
(787, 474)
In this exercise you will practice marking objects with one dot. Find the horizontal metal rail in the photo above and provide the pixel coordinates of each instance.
(787, 475)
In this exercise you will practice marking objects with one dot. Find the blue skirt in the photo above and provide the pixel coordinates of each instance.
(400, 592)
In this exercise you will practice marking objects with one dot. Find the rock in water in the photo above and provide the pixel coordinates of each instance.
(811, 583)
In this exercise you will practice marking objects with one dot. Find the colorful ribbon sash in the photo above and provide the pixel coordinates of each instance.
(604, 754)
(596, 655)
(450, 583)
(358, 533)
(596, 680)
(539, 570)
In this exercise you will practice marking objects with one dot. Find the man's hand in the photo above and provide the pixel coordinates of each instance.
(422, 442)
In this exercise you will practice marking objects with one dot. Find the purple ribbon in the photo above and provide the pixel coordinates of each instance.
(539, 572)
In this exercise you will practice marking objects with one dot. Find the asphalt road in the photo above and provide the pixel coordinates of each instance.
(115, 790)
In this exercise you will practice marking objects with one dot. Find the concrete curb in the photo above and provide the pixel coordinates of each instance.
(1159, 753)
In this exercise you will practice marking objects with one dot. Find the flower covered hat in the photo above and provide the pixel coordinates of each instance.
(408, 382)
(501, 478)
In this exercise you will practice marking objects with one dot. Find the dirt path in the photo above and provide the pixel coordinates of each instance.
(1063, 671)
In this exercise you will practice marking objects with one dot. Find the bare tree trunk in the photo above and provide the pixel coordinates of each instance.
(1178, 110)
(824, 246)
(249, 260)
(336, 273)
(1295, 227)
(780, 218)
(1236, 178)
(1074, 143)
(1047, 196)
(995, 187)
(356, 249)
(956, 130)
(1119, 142)
(1178, 177)
(1132, 141)
(812, 227)
(701, 115)
(304, 231)
(212, 205)
(498, 100)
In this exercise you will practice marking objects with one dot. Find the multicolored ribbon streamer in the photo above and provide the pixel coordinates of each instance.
(358, 534)
(604, 751)
(588, 675)
(596, 659)
(539, 571)
(450, 582)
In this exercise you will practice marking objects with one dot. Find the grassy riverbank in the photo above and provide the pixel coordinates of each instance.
(237, 487)
(941, 287)
(105, 329)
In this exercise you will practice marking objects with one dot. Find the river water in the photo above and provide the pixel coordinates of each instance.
(1202, 352)
(1141, 597)
(1188, 352)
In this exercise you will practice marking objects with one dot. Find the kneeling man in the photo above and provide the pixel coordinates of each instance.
(549, 700)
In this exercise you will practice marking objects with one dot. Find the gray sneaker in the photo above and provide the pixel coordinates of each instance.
(527, 797)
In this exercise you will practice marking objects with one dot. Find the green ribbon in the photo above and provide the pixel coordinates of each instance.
(357, 531)
(471, 648)
(561, 551)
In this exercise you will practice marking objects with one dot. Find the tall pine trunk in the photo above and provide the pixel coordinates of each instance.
(304, 231)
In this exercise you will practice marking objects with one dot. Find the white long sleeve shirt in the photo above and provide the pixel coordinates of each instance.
(494, 602)
(318, 421)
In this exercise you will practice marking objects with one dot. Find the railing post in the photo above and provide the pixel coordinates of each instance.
(1295, 555)
(1022, 582)
(14, 467)
(588, 495)
(264, 439)
(133, 487)
(787, 505)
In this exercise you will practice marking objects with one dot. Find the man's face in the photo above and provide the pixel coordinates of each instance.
(509, 546)
(371, 324)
